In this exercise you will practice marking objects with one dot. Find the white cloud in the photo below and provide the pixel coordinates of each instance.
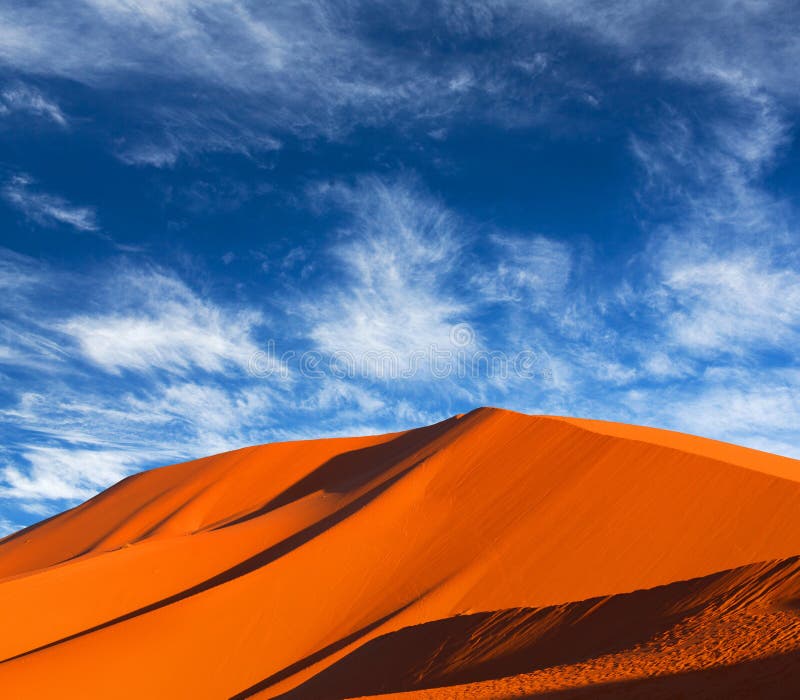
(171, 340)
(57, 473)
(753, 407)
(102, 438)
(735, 303)
(29, 100)
(397, 256)
(27, 348)
(158, 155)
(717, 281)
(199, 130)
(597, 365)
(47, 209)
(155, 321)
(295, 56)
(314, 68)
(18, 273)
(78, 435)
(8, 527)
(337, 394)
(743, 411)
(721, 274)
(213, 413)
(711, 170)
(660, 365)
(310, 68)
(738, 45)
(22, 341)
(532, 270)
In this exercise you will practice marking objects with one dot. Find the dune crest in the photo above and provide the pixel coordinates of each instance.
(466, 552)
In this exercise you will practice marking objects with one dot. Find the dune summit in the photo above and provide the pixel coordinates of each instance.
(491, 555)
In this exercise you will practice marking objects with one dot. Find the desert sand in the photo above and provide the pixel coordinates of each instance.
(492, 555)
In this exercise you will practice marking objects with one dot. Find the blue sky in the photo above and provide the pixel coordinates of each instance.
(190, 190)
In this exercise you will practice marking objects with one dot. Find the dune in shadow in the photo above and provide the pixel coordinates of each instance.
(651, 633)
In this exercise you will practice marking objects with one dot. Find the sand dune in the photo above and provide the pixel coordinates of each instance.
(660, 637)
(491, 555)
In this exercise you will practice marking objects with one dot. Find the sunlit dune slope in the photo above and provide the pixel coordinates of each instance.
(255, 571)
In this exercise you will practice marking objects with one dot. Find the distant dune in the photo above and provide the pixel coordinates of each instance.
(492, 555)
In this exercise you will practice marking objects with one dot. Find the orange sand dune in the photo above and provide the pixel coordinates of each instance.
(686, 638)
(441, 556)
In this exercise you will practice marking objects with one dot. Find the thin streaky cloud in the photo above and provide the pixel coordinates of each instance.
(26, 99)
(47, 209)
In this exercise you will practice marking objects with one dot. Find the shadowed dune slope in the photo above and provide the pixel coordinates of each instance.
(285, 568)
(741, 617)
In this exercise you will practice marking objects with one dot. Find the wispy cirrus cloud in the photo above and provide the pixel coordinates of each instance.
(47, 209)
(736, 45)
(321, 68)
(65, 474)
(23, 342)
(80, 425)
(397, 251)
(18, 273)
(530, 270)
(126, 318)
(177, 132)
(157, 322)
(7, 527)
(316, 63)
(685, 317)
(723, 266)
(734, 303)
(753, 406)
(714, 290)
(26, 99)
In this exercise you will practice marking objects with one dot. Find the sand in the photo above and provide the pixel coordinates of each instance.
(491, 555)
